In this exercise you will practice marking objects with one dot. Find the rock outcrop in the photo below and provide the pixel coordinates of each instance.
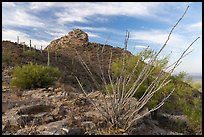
(76, 37)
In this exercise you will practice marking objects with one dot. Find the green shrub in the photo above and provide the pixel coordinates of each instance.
(34, 76)
(193, 113)
(29, 53)
(180, 101)
(6, 57)
(130, 64)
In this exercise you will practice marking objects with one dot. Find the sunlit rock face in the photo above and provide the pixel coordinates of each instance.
(76, 37)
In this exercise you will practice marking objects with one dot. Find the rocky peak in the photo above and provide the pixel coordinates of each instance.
(76, 37)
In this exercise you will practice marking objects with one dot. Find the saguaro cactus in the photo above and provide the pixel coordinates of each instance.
(18, 39)
(48, 57)
(24, 46)
(34, 48)
(41, 50)
(30, 44)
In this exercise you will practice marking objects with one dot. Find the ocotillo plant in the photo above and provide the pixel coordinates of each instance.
(120, 110)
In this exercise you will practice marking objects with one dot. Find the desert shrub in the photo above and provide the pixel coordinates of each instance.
(185, 102)
(193, 112)
(6, 57)
(34, 76)
(188, 79)
(29, 53)
(179, 77)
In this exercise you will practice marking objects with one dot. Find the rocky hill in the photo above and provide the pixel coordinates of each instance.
(63, 55)
(63, 110)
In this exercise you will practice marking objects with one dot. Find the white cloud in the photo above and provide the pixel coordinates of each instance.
(84, 12)
(55, 35)
(80, 12)
(99, 29)
(140, 46)
(76, 11)
(19, 16)
(57, 32)
(159, 37)
(40, 6)
(94, 35)
(190, 66)
(150, 36)
(11, 35)
(196, 26)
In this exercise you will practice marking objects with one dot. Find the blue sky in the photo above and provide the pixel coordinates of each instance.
(148, 24)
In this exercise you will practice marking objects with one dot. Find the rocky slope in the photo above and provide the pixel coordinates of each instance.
(51, 112)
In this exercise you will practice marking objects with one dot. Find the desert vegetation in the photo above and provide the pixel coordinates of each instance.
(78, 87)
(146, 78)
(34, 76)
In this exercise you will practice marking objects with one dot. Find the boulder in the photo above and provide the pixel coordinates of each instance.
(88, 125)
(34, 109)
(74, 131)
(7, 133)
(59, 128)
(52, 127)
(6, 106)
